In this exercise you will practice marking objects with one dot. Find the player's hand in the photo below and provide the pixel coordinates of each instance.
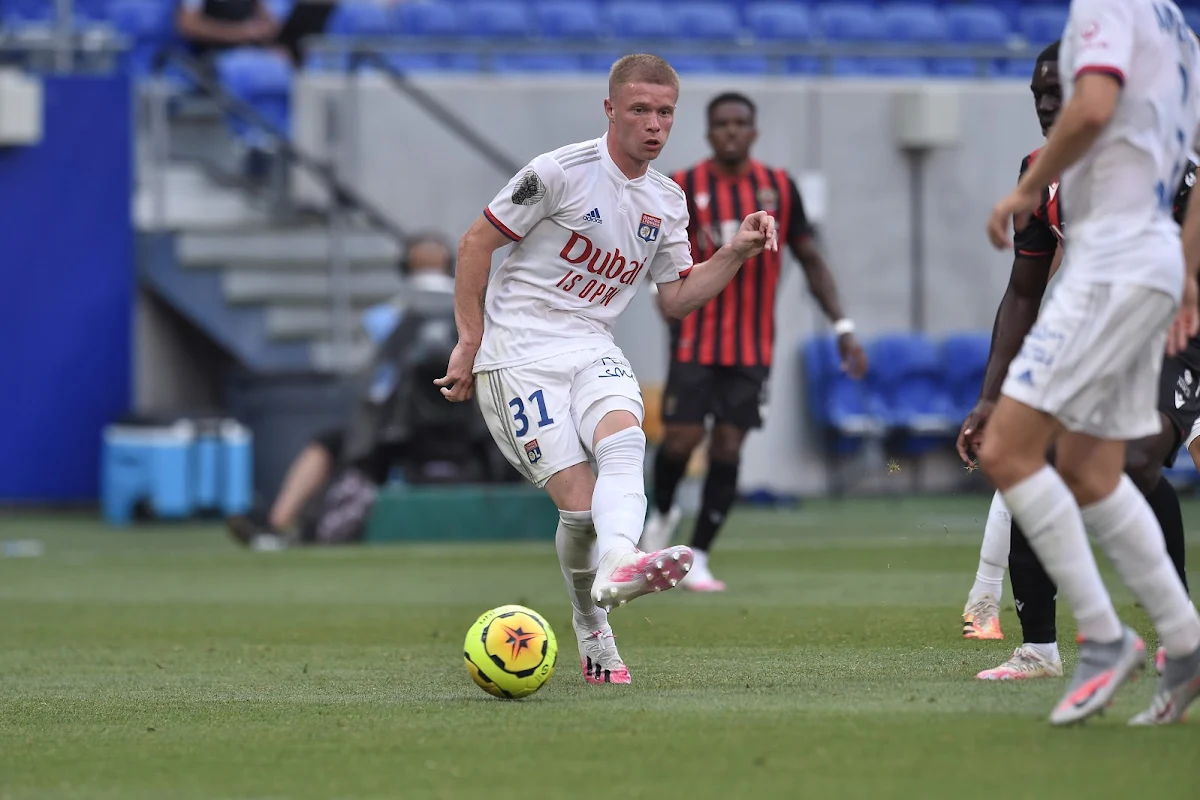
(854, 358)
(1187, 320)
(1016, 207)
(458, 384)
(972, 428)
(756, 235)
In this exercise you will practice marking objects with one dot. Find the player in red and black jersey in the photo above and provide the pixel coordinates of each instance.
(721, 354)
(1038, 250)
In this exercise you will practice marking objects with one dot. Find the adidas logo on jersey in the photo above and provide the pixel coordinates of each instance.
(593, 216)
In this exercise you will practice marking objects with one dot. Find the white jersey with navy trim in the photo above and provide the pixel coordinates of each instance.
(1119, 195)
(585, 236)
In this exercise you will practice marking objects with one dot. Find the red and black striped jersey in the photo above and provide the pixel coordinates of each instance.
(1043, 233)
(737, 327)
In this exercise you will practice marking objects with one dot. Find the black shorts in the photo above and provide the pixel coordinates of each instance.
(697, 392)
(1179, 393)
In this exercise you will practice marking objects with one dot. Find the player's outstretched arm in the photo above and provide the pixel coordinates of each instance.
(705, 281)
(1017, 312)
(470, 288)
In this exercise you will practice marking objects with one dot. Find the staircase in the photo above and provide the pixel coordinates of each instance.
(252, 274)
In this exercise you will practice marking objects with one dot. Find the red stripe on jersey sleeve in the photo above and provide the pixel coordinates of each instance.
(1101, 69)
(500, 226)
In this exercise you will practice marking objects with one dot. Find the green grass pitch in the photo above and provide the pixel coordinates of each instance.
(163, 662)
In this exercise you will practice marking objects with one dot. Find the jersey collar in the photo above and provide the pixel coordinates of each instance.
(614, 170)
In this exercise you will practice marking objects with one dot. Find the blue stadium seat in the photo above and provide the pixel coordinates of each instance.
(535, 62)
(150, 26)
(846, 22)
(568, 19)
(964, 361)
(1041, 26)
(1018, 69)
(960, 68)
(695, 64)
(425, 19)
(913, 22)
(280, 8)
(1192, 17)
(847, 67)
(779, 21)
(907, 375)
(629, 19)
(263, 80)
(600, 62)
(706, 20)
(461, 62)
(359, 18)
(503, 18)
(837, 405)
(976, 25)
(803, 65)
(745, 65)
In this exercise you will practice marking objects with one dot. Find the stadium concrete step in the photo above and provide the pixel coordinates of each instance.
(306, 321)
(187, 199)
(249, 286)
(286, 248)
(327, 356)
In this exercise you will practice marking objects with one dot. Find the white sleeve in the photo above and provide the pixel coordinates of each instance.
(533, 194)
(673, 259)
(1101, 37)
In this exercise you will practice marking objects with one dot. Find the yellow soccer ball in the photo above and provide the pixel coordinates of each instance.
(510, 652)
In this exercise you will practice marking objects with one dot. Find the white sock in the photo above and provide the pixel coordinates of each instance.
(1045, 508)
(1126, 529)
(619, 499)
(575, 541)
(1046, 651)
(993, 553)
(699, 559)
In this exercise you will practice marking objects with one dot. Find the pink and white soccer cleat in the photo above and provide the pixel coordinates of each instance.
(598, 655)
(700, 577)
(622, 577)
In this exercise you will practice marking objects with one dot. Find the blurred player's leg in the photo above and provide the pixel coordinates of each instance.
(720, 492)
(575, 541)
(1033, 595)
(670, 463)
(981, 615)
(687, 403)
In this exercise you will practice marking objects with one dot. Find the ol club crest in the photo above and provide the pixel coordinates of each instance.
(648, 230)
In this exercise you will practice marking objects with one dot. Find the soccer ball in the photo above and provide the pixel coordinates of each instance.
(510, 652)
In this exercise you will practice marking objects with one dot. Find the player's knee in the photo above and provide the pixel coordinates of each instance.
(614, 422)
(576, 521)
(621, 452)
(726, 444)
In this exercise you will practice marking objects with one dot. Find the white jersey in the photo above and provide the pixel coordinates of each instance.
(1119, 195)
(586, 236)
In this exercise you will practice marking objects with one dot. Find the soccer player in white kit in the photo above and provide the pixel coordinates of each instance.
(1087, 374)
(590, 221)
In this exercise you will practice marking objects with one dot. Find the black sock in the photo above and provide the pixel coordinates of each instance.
(1033, 591)
(720, 490)
(668, 472)
(1165, 503)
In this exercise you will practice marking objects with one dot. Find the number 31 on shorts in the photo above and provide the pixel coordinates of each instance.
(521, 421)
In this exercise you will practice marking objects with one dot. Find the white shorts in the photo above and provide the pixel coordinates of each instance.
(543, 415)
(1092, 359)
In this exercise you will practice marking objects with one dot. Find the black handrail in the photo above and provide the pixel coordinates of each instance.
(431, 106)
(343, 193)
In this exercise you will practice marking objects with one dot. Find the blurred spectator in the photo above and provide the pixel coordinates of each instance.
(336, 469)
(213, 25)
(210, 26)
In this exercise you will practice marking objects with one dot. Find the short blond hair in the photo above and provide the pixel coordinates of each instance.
(641, 68)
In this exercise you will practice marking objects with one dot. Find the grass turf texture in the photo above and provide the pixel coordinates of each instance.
(164, 662)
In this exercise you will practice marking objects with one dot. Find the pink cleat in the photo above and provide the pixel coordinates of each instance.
(622, 577)
(599, 657)
(1160, 660)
